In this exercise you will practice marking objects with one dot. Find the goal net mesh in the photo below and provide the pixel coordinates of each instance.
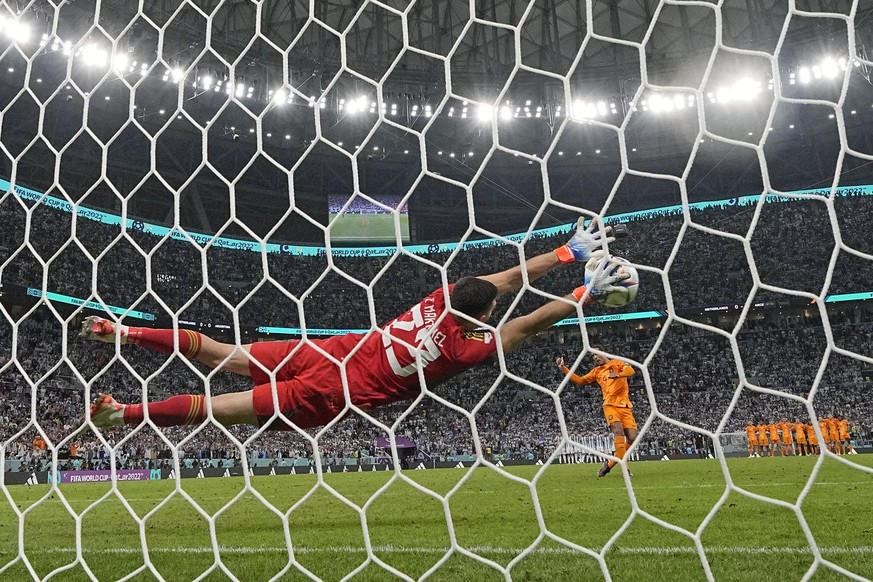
(108, 223)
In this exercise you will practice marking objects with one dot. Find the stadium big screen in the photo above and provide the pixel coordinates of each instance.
(365, 222)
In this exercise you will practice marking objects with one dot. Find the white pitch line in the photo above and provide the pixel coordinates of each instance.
(391, 549)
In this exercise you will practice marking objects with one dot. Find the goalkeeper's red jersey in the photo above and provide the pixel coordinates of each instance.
(385, 370)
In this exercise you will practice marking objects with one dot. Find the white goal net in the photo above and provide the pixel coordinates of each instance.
(268, 170)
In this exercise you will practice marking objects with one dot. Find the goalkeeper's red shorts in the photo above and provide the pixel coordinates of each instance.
(308, 385)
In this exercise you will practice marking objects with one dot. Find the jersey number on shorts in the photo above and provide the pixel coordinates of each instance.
(412, 332)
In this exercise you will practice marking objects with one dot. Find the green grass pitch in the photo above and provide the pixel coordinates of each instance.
(492, 516)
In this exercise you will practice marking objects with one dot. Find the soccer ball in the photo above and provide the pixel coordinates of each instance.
(627, 289)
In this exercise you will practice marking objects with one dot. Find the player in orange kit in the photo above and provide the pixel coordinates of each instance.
(845, 437)
(764, 441)
(834, 431)
(787, 444)
(612, 377)
(825, 435)
(811, 439)
(752, 437)
(800, 433)
(773, 428)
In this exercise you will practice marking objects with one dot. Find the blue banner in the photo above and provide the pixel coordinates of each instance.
(377, 251)
(60, 298)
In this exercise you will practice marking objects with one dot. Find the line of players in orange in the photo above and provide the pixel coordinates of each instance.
(797, 438)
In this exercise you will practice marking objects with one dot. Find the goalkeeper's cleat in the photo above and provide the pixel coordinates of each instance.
(101, 330)
(604, 469)
(106, 412)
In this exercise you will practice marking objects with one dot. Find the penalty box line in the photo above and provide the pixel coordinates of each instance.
(482, 550)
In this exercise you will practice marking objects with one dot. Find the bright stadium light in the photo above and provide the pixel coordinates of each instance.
(745, 90)
(120, 63)
(804, 75)
(240, 89)
(505, 113)
(93, 55)
(280, 97)
(830, 68)
(18, 32)
(357, 105)
(583, 110)
(485, 112)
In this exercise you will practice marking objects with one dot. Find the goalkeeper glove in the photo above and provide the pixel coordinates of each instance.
(600, 281)
(584, 243)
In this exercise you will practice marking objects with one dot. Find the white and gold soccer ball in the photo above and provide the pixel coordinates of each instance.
(626, 290)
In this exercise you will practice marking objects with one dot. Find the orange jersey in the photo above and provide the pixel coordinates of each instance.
(615, 390)
(774, 432)
(823, 426)
(833, 428)
(762, 434)
(751, 434)
(787, 437)
(800, 430)
(843, 425)
(810, 435)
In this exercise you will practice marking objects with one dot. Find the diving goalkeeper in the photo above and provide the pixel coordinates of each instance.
(384, 369)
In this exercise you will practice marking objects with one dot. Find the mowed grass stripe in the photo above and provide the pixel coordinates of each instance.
(662, 551)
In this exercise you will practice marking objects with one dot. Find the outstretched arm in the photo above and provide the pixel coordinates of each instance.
(581, 247)
(575, 378)
(598, 282)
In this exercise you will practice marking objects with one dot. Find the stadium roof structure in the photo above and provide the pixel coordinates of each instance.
(170, 70)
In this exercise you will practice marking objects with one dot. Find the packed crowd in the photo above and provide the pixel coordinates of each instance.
(790, 250)
(693, 374)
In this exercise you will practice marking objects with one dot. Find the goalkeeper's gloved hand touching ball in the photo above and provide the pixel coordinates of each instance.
(585, 243)
(601, 281)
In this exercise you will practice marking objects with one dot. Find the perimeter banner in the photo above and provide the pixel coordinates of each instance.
(106, 476)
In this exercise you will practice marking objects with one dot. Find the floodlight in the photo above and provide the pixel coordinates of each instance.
(120, 63)
(93, 55)
(207, 82)
(505, 113)
(19, 32)
(485, 112)
(804, 75)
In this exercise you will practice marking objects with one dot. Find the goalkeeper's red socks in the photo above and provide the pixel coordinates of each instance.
(161, 340)
(620, 449)
(175, 411)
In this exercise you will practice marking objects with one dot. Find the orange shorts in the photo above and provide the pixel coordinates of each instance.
(801, 441)
(844, 436)
(622, 414)
(813, 440)
(787, 441)
(753, 442)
